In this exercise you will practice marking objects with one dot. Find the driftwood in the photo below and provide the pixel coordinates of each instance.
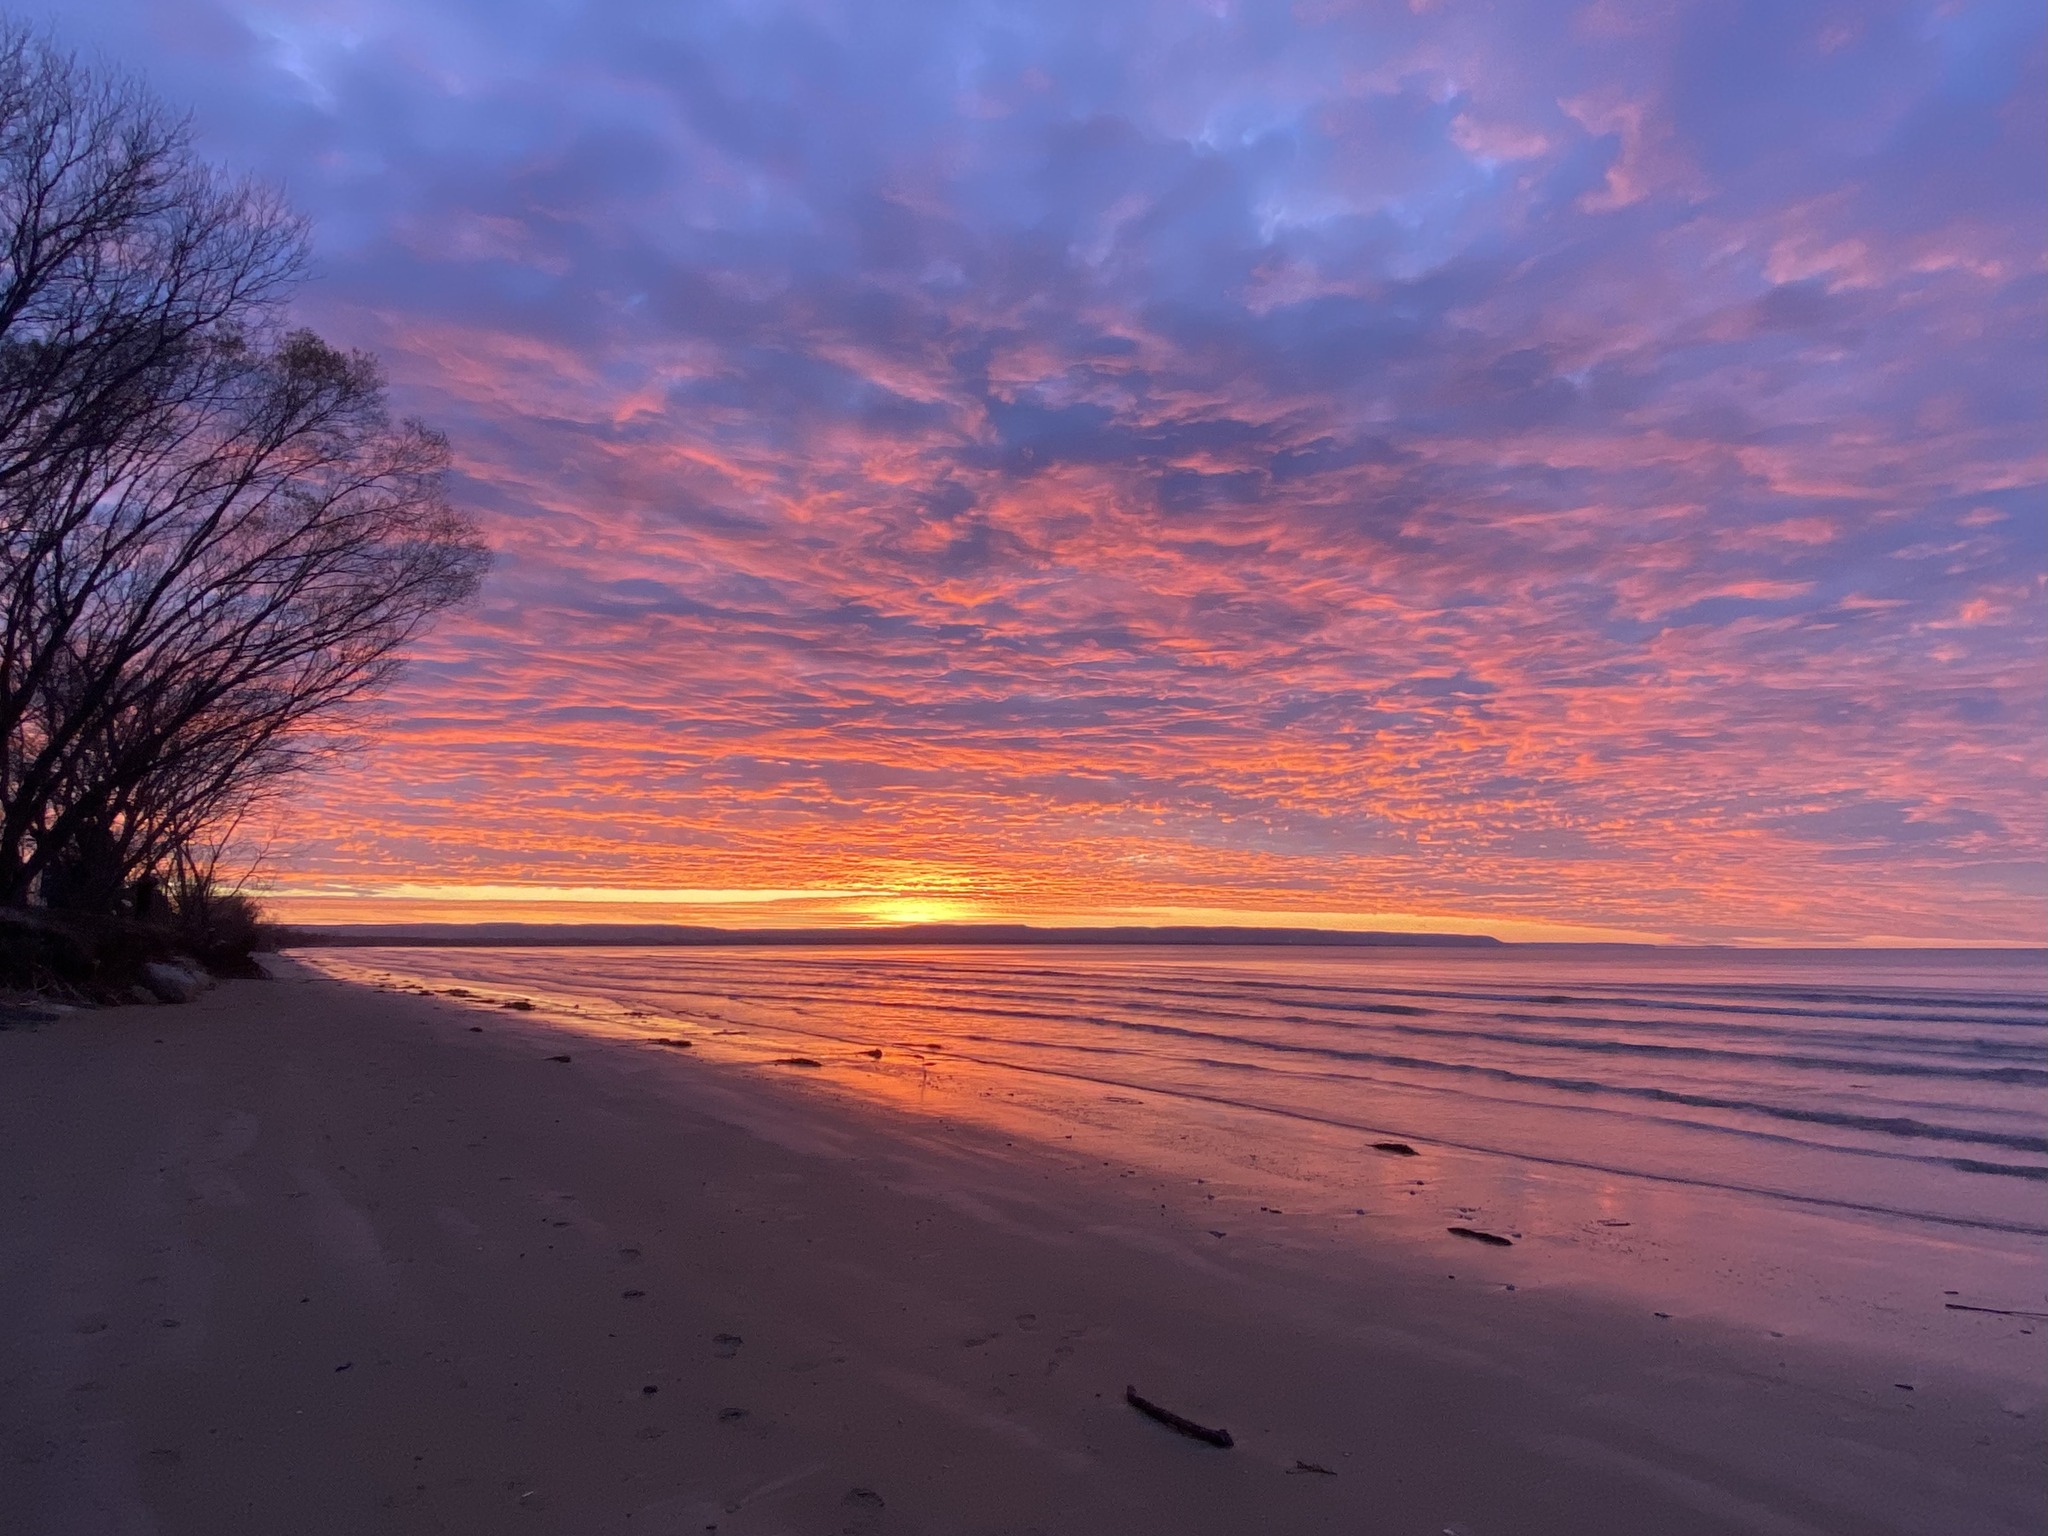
(1151, 1410)
(1478, 1236)
(1398, 1148)
(1958, 1306)
(795, 1061)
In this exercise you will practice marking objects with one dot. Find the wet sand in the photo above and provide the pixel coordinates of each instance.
(310, 1257)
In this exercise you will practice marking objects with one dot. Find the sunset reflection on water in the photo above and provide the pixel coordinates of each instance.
(1821, 1143)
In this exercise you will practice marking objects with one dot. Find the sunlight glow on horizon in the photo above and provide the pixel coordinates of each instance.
(407, 902)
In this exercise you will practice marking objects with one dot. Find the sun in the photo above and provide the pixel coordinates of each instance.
(919, 909)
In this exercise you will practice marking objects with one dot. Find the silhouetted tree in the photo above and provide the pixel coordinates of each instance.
(216, 538)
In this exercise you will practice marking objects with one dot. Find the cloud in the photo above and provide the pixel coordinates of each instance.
(1575, 464)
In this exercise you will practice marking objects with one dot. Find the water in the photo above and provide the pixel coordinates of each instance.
(1866, 1130)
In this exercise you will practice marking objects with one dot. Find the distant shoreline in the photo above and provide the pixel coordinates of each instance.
(668, 935)
(1011, 935)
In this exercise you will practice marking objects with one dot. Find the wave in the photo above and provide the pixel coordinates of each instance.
(1686, 996)
(1724, 1058)
(1329, 998)
(1889, 1125)
(1695, 1181)
(1595, 1044)
(1600, 1036)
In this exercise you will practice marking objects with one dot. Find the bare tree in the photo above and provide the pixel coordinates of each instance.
(217, 540)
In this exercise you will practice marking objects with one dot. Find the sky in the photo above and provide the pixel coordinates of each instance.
(1549, 469)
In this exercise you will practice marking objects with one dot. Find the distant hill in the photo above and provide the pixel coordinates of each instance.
(448, 935)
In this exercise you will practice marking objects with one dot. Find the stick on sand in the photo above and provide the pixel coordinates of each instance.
(1172, 1420)
(1960, 1306)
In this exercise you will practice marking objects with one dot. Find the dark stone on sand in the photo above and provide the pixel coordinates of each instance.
(22, 1015)
(559, 1058)
(1478, 1236)
(519, 1003)
(876, 1053)
(1313, 1466)
(170, 983)
(1398, 1148)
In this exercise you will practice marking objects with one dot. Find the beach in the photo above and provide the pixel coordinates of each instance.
(311, 1255)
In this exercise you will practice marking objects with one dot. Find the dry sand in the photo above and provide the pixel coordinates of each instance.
(310, 1258)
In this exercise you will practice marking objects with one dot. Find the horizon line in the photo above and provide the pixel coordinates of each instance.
(663, 935)
(401, 905)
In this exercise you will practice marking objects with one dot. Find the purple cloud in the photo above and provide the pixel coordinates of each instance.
(1578, 462)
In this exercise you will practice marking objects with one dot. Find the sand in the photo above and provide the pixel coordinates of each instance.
(303, 1257)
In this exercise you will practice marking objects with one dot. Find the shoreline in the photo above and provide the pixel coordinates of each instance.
(1692, 1239)
(917, 1324)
